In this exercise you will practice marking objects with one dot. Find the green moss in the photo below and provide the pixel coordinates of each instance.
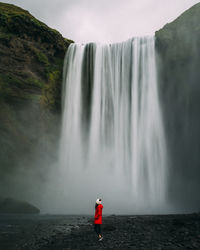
(11, 12)
(5, 36)
(41, 57)
(54, 77)
(53, 67)
(18, 21)
(34, 82)
(34, 59)
(8, 9)
(51, 92)
(8, 79)
(12, 80)
(12, 87)
(68, 40)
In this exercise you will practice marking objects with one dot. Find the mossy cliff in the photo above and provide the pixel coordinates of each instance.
(178, 50)
(31, 61)
(31, 58)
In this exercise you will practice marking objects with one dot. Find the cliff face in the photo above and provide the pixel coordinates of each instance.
(31, 61)
(31, 58)
(178, 51)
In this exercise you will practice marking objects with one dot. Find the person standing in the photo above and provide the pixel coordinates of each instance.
(98, 219)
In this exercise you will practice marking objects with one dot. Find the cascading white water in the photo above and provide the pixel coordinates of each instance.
(112, 141)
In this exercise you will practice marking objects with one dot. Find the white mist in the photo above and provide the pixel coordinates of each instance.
(113, 146)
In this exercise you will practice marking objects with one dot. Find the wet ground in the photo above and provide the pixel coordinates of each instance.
(120, 232)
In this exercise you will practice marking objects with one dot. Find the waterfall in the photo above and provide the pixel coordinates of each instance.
(113, 141)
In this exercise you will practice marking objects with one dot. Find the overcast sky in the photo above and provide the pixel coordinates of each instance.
(105, 20)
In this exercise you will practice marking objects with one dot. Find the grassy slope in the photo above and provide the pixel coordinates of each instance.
(31, 58)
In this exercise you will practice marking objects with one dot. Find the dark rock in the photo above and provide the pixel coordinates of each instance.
(178, 55)
(8, 205)
(107, 228)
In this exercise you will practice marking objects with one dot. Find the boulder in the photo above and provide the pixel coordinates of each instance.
(9, 205)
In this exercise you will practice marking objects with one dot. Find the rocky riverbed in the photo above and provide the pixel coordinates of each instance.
(120, 232)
